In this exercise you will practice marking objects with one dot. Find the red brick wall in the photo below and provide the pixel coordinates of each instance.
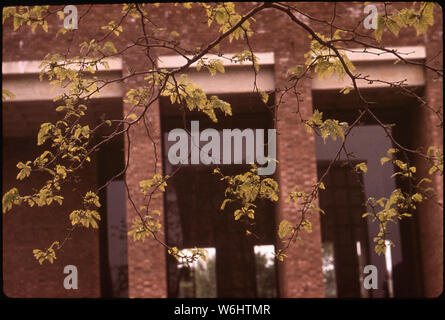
(26, 229)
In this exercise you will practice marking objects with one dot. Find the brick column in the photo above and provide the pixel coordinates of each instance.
(146, 260)
(300, 276)
(430, 215)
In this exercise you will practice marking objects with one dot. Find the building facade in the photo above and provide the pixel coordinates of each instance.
(331, 259)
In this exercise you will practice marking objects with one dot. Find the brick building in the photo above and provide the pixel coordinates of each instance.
(330, 261)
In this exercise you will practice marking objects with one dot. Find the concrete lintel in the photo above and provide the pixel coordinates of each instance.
(176, 61)
(27, 87)
(237, 78)
(379, 65)
(32, 66)
(372, 55)
(22, 78)
(233, 80)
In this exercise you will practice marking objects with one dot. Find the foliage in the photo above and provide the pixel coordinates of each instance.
(329, 127)
(194, 98)
(49, 254)
(400, 204)
(420, 19)
(247, 188)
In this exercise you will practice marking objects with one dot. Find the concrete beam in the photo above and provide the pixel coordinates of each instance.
(22, 78)
(32, 66)
(237, 78)
(176, 61)
(379, 65)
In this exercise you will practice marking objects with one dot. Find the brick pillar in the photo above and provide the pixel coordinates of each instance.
(146, 260)
(301, 274)
(430, 215)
